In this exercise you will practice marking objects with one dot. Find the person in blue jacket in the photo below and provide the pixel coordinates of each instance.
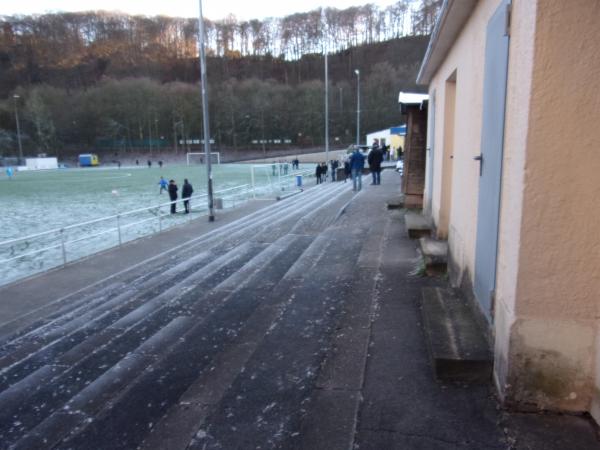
(163, 185)
(357, 163)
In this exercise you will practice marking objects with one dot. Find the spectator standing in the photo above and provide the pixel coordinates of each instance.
(186, 192)
(318, 173)
(375, 158)
(357, 163)
(334, 167)
(173, 195)
(347, 170)
(323, 171)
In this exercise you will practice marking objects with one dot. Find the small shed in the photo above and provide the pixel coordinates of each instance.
(414, 107)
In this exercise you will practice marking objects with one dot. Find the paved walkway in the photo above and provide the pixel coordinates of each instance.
(295, 328)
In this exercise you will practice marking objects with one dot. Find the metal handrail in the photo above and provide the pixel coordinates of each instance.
(114, 216)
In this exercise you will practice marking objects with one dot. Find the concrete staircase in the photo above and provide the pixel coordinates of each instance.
(171, 354)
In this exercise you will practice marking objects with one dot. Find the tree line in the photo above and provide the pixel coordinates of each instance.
(108, 79)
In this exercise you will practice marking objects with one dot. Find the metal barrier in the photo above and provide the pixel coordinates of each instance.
(63, 240)
(73, 242)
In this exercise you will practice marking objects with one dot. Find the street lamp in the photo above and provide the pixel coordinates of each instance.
(326, 111)
(357, 72)
(211, 212)
(16, 98)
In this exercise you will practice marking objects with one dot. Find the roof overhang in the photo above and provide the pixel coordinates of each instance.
(452, 17)
(411, 98)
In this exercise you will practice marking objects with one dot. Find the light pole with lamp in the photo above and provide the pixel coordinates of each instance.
(326, 111)
(211, 212)
(16, 98)
(357, 72)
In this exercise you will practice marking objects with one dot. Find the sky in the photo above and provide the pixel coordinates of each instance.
(213, 9)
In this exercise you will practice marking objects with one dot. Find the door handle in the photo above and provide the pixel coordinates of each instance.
(480, 159)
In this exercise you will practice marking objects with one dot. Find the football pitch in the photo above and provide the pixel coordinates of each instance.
(38, 201)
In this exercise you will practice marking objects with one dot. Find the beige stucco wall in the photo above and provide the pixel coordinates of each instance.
(547, 306)
(466, 58)
(518, 99)
(553, 352)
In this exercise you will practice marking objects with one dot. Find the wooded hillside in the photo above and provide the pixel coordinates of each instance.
(101, 80)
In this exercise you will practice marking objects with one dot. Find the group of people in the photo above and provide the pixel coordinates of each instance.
(149, 163)
(321, 173)
(171, 187)
(322, 169)
(356, 163)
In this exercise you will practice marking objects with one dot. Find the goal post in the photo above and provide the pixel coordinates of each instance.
(270, 177)
(198, 157)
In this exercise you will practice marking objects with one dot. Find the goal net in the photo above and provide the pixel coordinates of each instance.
(199, 158)
(272, 178)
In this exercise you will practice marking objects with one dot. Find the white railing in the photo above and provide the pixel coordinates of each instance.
(20, 256)
(24, 256)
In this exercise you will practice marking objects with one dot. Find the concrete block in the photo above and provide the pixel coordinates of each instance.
(457, 346)
(416, 225)
(396, 203)
(435, 255)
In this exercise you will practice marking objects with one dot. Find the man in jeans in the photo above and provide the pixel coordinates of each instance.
(357, 162)
(375, 158)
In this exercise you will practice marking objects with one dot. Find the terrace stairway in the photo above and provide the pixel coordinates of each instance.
(163, 347)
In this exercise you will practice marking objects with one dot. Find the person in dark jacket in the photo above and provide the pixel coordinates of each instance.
(173, 195)
(318, 173)
(347, 170)
(334, 167)
(186, 192)
(375, 158)
(323, 171)
(357, 163)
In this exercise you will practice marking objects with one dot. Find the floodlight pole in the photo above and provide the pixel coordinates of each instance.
(16, 98)
(357, 72)
(211, 212)
(326, 111)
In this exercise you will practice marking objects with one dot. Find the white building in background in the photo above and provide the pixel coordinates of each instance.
(393, 136)
(40, 164)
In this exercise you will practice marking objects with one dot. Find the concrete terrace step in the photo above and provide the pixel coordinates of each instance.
(163, 383)
(435, 255)
(79, 337)
(144, 270)
(82, 363)
(458, 348)
(416, 225)
(41, 331)
(182, 422)
(74, 367)
(121, 380)
(295, 346)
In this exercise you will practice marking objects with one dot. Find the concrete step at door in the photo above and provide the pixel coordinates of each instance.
(222, 316)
